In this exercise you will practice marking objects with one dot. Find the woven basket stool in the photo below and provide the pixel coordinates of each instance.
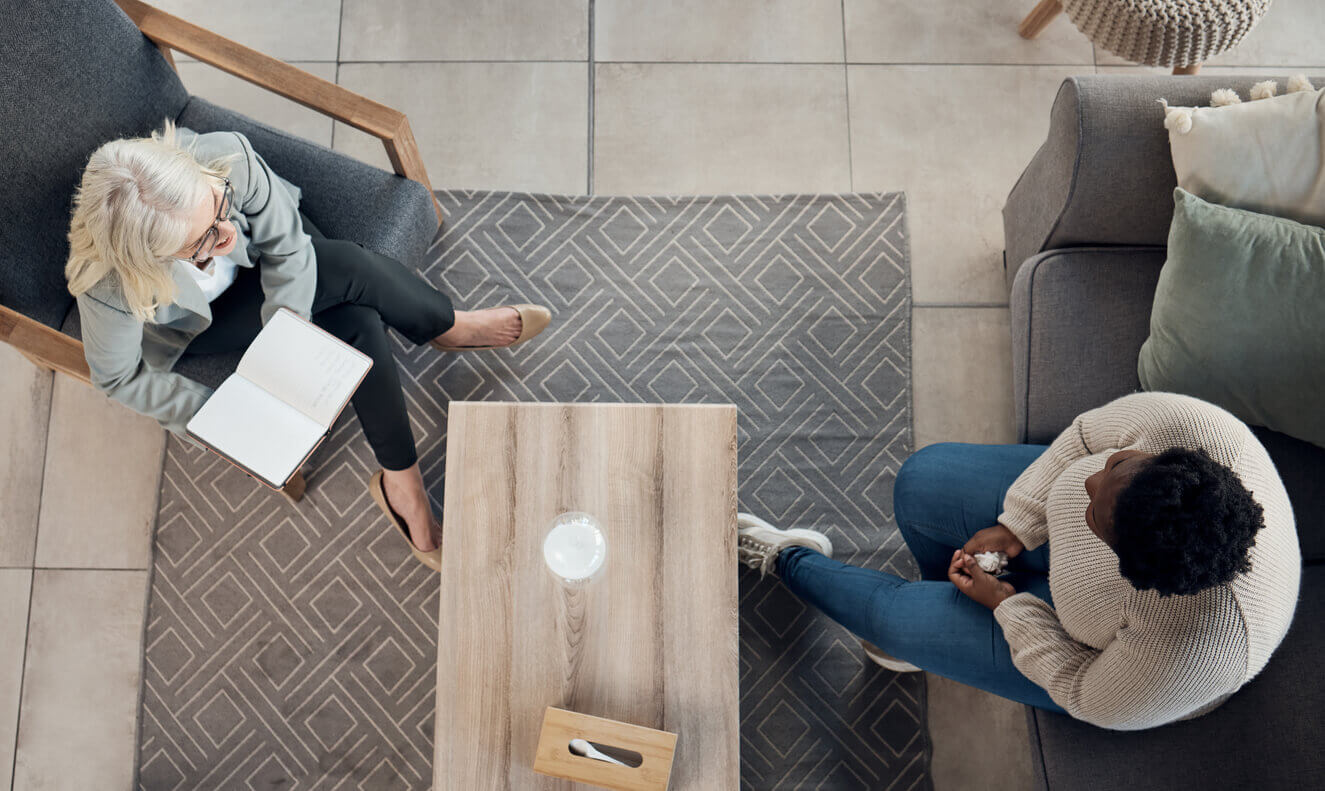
(1176, 33)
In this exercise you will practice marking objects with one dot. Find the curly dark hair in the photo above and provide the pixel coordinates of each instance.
(1184, 523)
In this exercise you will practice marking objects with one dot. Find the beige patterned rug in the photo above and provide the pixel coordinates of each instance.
(294, 646)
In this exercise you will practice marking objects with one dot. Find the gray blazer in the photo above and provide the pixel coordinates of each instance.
(131, 360)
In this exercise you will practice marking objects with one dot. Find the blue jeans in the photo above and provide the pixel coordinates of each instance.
(944, 494)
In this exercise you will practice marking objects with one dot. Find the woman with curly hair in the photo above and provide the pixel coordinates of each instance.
(1154, 565)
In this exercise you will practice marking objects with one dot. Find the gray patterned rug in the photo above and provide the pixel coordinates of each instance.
(294, 646)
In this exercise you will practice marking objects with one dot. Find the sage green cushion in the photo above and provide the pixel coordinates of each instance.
(1239, 316)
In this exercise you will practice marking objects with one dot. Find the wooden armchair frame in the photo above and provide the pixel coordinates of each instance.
(390, 126)
(51, 349)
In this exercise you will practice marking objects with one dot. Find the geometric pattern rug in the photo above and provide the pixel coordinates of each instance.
(293, 646)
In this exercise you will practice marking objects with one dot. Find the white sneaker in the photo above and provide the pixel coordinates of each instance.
(758, 543)
(886, 661)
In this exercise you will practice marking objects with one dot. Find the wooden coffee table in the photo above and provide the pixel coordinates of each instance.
(650, 641)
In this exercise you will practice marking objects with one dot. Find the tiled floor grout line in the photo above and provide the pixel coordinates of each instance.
(85, 568)
(709, 62)
(944, 64)
(463, 60)
(591, 99)
(45, 451)
(335, 76)
(846, 96)
(78, 569)
(956, 305)
(340, 30)
(22, 675)
(32, 582)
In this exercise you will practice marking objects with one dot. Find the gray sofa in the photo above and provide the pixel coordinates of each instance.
(1085, 230)
(78, 74)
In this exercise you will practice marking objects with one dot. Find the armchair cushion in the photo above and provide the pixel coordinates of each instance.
(76, 75)
(1079, 317)
(344, 197)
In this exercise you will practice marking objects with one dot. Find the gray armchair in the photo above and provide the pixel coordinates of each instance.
(1085, 230)
(78, 74)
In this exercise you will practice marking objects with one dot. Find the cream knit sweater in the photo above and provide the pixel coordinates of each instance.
(1126, 659)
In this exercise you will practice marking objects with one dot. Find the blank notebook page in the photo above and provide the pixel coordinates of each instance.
(256, 429)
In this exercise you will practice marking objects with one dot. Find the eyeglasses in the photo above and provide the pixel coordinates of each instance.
(209, 239)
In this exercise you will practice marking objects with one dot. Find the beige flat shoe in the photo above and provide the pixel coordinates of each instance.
(533, 320)
(433, 559)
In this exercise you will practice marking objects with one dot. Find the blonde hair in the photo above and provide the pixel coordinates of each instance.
(131, 213)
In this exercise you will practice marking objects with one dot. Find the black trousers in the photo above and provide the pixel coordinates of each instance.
(357, 291)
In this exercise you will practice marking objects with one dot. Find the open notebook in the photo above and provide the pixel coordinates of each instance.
(292, 383)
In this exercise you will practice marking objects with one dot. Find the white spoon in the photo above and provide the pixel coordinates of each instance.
(585, 750)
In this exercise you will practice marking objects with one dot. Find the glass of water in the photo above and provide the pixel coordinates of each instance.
(575, 548)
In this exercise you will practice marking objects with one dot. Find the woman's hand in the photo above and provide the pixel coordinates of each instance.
(977, 583)
(994, 539)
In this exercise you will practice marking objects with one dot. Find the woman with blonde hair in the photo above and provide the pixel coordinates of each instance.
(190, 242)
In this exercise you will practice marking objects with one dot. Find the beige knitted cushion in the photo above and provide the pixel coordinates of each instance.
(1165, 32)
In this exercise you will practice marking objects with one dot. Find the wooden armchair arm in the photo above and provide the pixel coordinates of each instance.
(44, 346)
(390, 126)
(48, 348)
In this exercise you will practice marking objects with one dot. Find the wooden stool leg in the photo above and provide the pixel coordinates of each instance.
(1192, 69)
(1039, 18)
(294, 489)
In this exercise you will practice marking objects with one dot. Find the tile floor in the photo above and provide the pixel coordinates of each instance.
(940, 99)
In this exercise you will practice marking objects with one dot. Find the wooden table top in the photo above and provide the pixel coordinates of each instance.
(651, 641)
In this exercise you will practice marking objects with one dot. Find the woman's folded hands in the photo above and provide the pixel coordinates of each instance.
(975, 582)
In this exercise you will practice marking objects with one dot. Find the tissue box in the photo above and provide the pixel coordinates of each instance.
(554, 757)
